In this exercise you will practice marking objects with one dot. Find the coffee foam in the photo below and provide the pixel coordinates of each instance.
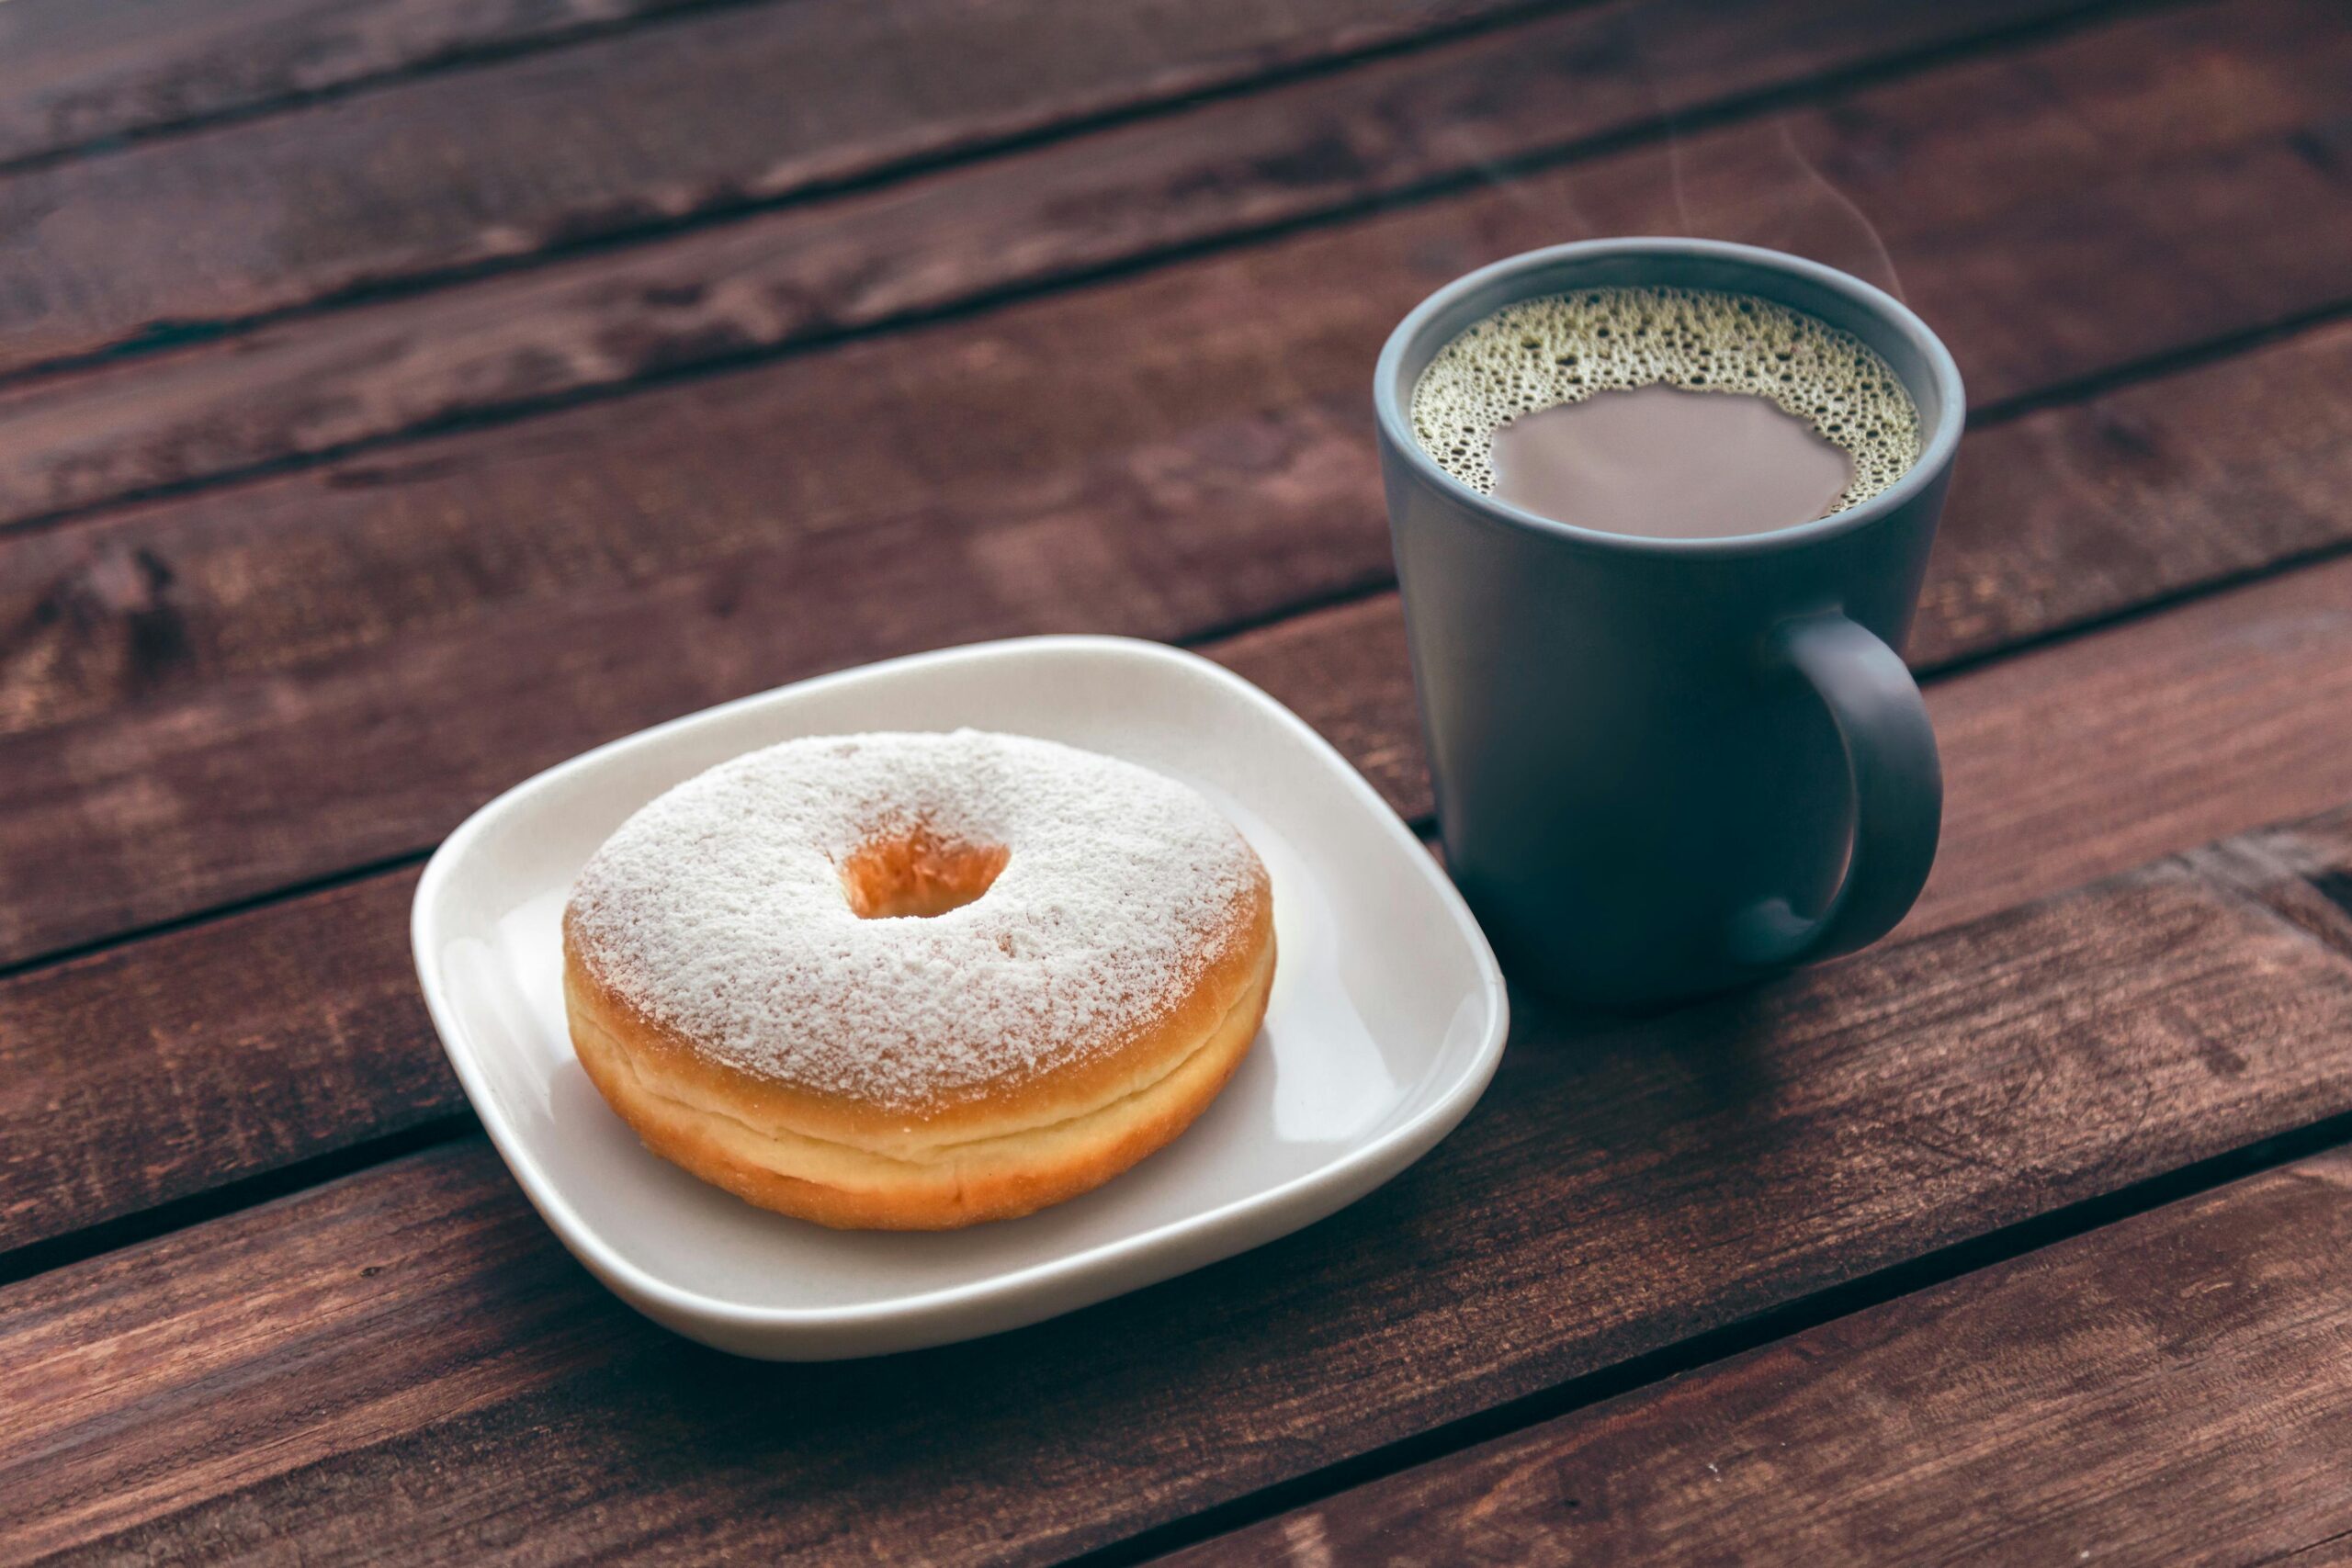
(1562, 348)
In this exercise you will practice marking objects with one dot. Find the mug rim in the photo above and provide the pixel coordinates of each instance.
(1935, 450)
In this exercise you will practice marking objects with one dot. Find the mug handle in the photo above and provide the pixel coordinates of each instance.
(1898, 793)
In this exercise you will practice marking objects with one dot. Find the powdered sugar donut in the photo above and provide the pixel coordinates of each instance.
(913, 981)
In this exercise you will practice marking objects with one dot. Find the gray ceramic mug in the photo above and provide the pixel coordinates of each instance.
(1665, 767)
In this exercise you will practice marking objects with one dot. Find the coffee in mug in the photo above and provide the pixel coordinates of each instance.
(1666, 413)
(1661, 510)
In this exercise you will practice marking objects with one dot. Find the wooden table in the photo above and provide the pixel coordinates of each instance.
(398, 396)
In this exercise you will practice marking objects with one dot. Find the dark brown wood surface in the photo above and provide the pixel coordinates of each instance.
(74, 75)
(2059, 518)
(727, 107)
(388, 1334)
(294, 1030)
(2165, 1390)
(714, 293)
(397, 396)
(1143, 458)
(1082, 352)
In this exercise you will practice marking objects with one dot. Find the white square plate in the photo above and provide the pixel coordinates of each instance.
(1386, 1019)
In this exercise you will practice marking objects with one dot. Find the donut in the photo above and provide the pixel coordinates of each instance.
(917, 981)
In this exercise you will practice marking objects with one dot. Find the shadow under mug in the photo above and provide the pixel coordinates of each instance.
(1665, 767)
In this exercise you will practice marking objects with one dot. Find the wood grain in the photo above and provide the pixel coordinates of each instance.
(2302, 871)
(202, 1046)
(727, 108)
(207, 1049)
(2227, 104)
(2333, 1552)
(75, 72)
(716, 293)
(1139, 456)
(365, 1362)
(2164, 1390)
(224, 1050)
(293, 656)
(229, 692)
(2057, 519)
(2073, 762)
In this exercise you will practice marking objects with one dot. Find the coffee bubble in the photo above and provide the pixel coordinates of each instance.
(1562, 348)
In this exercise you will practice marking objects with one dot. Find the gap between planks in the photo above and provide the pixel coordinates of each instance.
(2299, 874)
(2212, 700)
(519, 35)
(58, 472)
(2059, 991)
(186, 663)
(1709, 1349)
(2302, 875)
(1229, 61)
(2117, 1395)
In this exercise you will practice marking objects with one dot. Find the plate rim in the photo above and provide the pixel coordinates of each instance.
(652, 1293)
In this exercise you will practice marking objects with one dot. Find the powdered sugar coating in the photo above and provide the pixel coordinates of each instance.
(719, 910)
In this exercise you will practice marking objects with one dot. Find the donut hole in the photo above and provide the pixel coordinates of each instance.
(918, 874)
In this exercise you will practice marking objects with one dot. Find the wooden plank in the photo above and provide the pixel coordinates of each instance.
(225, 1050)
(2227, 711)
(2302, 871)
(2143, 737)
(721, 293)
(74, 72)
(363, 1363)
(1279, 361)
(2331, 1553)
(727, 108)
(291, 646)
(2256, 487)
(809, 271)
(2059, 517)
(207, 1049)
(2118, 786)
(2165, 1390)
